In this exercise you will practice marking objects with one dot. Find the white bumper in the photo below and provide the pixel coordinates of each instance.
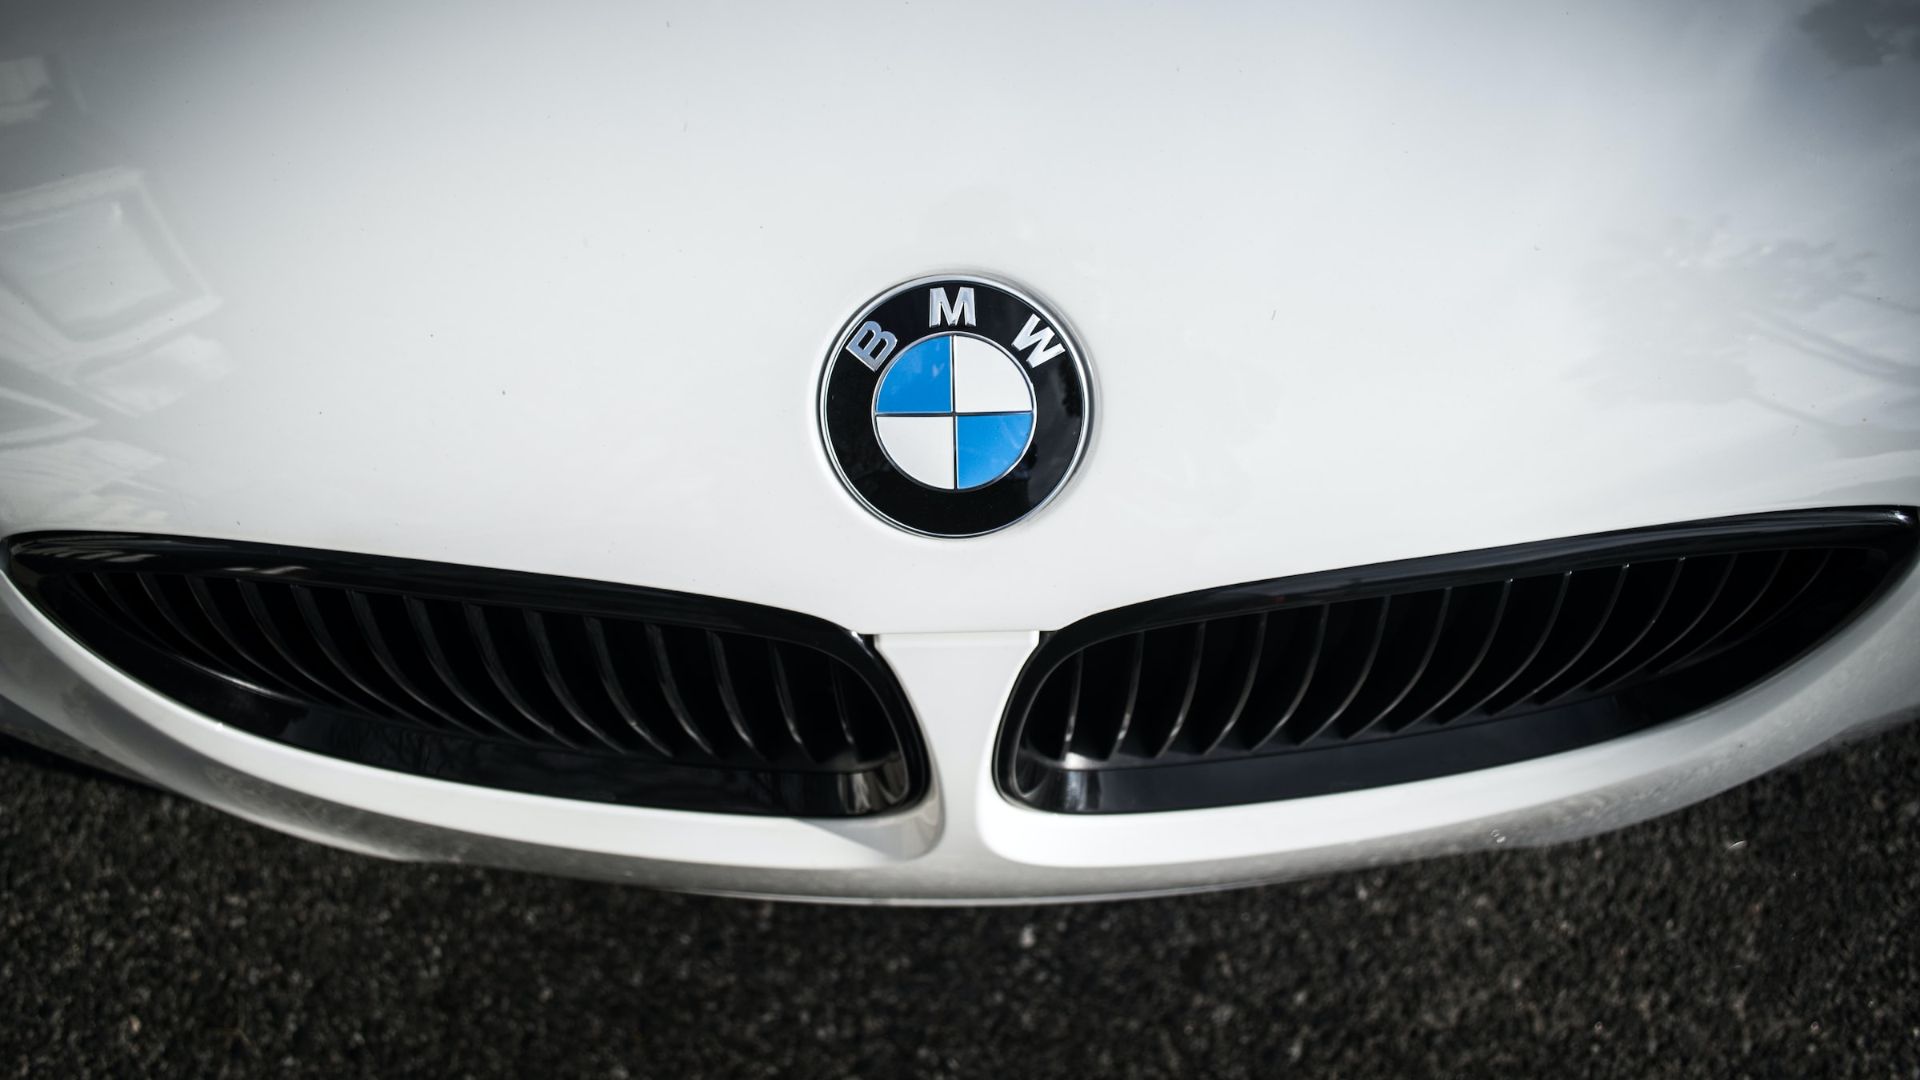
(965, 842)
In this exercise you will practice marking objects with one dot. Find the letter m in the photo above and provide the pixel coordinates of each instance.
(959, 312)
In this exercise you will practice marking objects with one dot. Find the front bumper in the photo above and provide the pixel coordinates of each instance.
(965, 842)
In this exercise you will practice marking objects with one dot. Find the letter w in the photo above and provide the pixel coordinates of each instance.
(1040, 339)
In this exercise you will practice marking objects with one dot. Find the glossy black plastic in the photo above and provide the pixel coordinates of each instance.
(1406, 671)
(552, 686)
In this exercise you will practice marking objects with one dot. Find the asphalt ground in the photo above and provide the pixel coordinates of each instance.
(1768, 932)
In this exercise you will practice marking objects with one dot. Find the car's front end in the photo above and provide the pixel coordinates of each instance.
(938, 455)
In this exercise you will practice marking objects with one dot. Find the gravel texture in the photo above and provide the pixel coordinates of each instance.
(1769, 932)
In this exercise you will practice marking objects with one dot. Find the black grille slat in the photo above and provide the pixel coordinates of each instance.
(1383, 714)
(730, 698)
(1778, 599)
(176, 618)
(108, 586)
(1748, 575)
(1136, 671)
(250, 657)
(1252, 645)
(755, 686)
(517, 696)
(1196, 663)
(615, 690)
(389, 662)
(1373, 630)
(1530, 638)
(789, 707)
(670, 689)
(1569, 644)
(1061, 709)
(1383, 675)
(1615, 624)
(307, 604)
(455, 674)
(1718, 627)
(1686, 616)
(1116, 736)
(1463, 619)
(1600, 618)
(1174, 663)
(101, 592)
(550, 686)
(1446, 708)
(1644, 622)
(1296, 686)
(254, 601)
(810, 677)
(1072, 713)
(1101, 701)
(559, 684)
(859, 726)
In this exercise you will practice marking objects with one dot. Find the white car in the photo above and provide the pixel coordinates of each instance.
(957, 453)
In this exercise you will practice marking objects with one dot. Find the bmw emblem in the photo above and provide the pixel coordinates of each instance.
(954, 406)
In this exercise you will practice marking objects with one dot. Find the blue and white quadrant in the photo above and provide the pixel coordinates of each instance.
(954, 412)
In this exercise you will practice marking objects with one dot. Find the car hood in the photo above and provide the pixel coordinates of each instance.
(552, 291)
